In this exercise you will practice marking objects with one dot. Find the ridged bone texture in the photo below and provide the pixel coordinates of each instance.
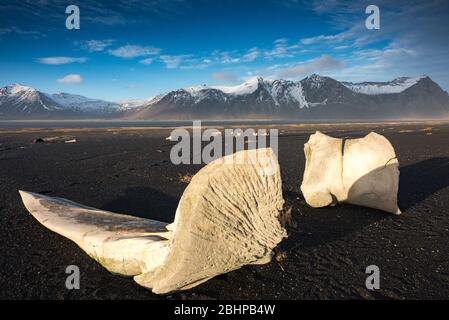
(363, 172)
(226, 218)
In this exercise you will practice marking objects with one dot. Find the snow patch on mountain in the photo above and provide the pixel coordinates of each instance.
(16, 89)
(131, 104)
(81, 103)
(315, 81)
(286, 91)
(372, 88)
(247, 87)
(19, 93)
(297, 93)
(281, 91)
(23, 97)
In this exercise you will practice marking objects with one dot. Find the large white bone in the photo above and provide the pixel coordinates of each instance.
(226, 218)
(361, 171)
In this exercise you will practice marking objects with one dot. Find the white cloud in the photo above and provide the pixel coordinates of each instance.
(382, 64)
(224, 76)
(226, 57)
(388, 53)
(96, 45)
(61, 60)
(281, 49)
(147, 61)
(70, 79)
(172, 62)
(133, 51)
(323, 63)
(331, 38)
(251, 55)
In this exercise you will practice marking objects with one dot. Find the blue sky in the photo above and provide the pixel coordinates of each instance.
(138, 49)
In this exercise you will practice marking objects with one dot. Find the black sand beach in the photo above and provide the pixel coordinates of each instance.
(129, 171)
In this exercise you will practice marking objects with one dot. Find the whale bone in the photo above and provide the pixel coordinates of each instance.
(362, 172)
(227, 217)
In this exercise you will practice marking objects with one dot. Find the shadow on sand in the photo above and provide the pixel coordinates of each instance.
(315, 226)
(320, 226)
(145, 202)
(421, 180)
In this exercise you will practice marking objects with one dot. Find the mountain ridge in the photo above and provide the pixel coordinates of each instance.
(314, 96)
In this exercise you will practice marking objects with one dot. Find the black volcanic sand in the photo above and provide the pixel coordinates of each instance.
(325, 256)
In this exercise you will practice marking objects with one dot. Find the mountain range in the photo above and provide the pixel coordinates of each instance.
(314, 97)
(22, 102)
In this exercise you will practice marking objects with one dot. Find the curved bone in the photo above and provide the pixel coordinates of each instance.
(226, 218)
(120, 243)
(358, 171)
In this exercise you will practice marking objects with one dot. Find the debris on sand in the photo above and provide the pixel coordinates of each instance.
(185, 178)
(54, 139)
(70, 141)
(227, 217)
(363, 172)
(280, 256)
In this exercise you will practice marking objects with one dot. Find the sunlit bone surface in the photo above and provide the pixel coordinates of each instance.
(226, 218)
(363, 172)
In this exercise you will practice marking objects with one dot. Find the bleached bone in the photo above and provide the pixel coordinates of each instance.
(363, 172)
(226, 218)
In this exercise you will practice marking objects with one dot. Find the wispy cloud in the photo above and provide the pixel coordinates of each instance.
(18, 31)
(380, 64)
(225, 57)
(321, 64)
(251, 55)
(109, 20)
(61, 60)
(281, 49)
(147, 61)
(134, 51)
(70, 79)
(107, 13)
(172, 62)
(324, 38)
(398, 48)
(96, 45)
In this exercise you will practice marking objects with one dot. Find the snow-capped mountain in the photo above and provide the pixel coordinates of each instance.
(79, 103)
(256, 96)
(314, 97)
(280, 91)
(395, 86)
(17, 99)
(21, 102)
(132, 104)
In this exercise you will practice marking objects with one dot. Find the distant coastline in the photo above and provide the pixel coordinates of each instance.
(91, 124)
